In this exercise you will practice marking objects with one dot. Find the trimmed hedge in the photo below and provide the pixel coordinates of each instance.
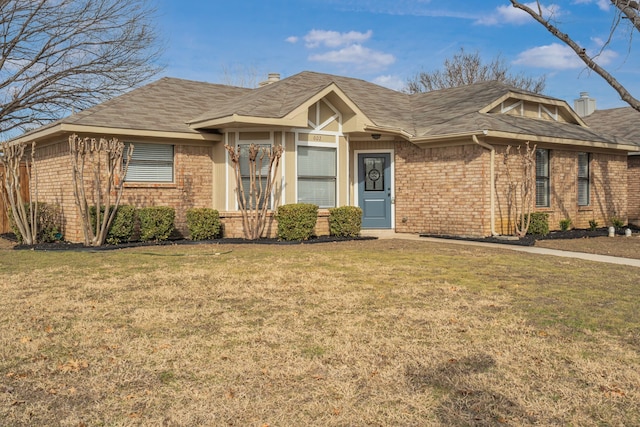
(48, 223)
(121, 229)
(156, 222)
(203, 223)
(296, 221)
(345, 221)
(539, 223)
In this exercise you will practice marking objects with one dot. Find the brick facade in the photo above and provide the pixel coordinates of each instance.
(445, 191)
(192, 186)
(232, 225)
(442, 191)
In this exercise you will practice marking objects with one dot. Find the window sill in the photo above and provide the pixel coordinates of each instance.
(150, 185)
(585, 208)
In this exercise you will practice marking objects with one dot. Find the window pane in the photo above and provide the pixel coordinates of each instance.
(150, 163)
(583, 179)
(374, 174)
(542, 163)
(542, 193)
(317, 176)
(316, 161)
(262, 166)
(319, 191)
(583, 192)
(542, 178)
(583, 165)
(250, 201)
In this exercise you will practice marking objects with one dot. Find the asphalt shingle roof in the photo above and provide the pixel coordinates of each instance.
(171, 104)
(622, 123)
(165, 105)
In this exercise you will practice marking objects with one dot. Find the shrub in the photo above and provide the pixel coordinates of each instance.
(345, 221)
(565, 224)
(539, 223)
(593, 224)
(296, 221)
(121, 229)
(156, 223)
(617, 222)
(48, 222)
(203, 223)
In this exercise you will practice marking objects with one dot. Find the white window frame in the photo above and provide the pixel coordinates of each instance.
(134, 162)
(336, 178)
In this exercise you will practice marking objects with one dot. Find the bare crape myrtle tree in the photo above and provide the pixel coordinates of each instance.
(254, 172)
(98, 171)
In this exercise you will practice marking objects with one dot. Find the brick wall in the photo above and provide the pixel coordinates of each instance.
(633, 183)
(54, 185)
(442, 190)
(446, 190)
(232, 225)
(192, 187)
(608, 190)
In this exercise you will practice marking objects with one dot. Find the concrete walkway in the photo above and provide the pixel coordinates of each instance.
(390, 234)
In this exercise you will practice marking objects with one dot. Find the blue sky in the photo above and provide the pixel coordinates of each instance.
(388, 41)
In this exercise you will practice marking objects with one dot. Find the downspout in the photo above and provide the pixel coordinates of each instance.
(492, 171)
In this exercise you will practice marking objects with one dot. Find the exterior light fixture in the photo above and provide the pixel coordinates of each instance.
(375, 135)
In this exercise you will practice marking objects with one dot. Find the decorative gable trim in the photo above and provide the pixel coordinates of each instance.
(547, 107)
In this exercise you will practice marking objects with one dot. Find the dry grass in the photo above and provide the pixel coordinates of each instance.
(382, 332)
(625, 247)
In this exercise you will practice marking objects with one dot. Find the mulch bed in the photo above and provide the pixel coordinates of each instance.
(67, 246)
(530, 240)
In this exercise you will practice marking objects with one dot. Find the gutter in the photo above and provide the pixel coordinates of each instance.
(492, 149)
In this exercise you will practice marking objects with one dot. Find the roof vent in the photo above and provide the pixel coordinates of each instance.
(584, 105)
(271, 78)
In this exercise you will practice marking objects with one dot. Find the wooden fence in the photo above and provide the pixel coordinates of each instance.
(5, 226)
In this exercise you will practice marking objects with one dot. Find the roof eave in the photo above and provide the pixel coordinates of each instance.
(563, 141)
(67, 128)
(236, 120)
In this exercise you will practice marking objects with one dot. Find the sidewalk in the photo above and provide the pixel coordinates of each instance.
(390, 234)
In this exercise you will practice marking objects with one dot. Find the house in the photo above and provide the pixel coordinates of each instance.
(624, 125)
(422, 163)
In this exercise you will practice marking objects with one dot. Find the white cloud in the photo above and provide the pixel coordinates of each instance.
(291, 39)
(511, 15)
(559, 57)
(316, 38)
(602, 4)
(358, 55)
(390, 81)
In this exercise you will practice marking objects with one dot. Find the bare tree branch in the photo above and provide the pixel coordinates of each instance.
(467, 68)
(627, 7)
(57, 56)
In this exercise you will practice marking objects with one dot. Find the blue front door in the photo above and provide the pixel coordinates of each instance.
(374, 189)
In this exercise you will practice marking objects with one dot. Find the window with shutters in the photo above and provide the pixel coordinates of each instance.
(583, 179)
(317, 175)
(150, 163)
(542, 178)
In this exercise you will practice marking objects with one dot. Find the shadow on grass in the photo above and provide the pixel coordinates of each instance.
(464, 402)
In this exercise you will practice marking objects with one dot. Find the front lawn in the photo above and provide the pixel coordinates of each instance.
(381, 332)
